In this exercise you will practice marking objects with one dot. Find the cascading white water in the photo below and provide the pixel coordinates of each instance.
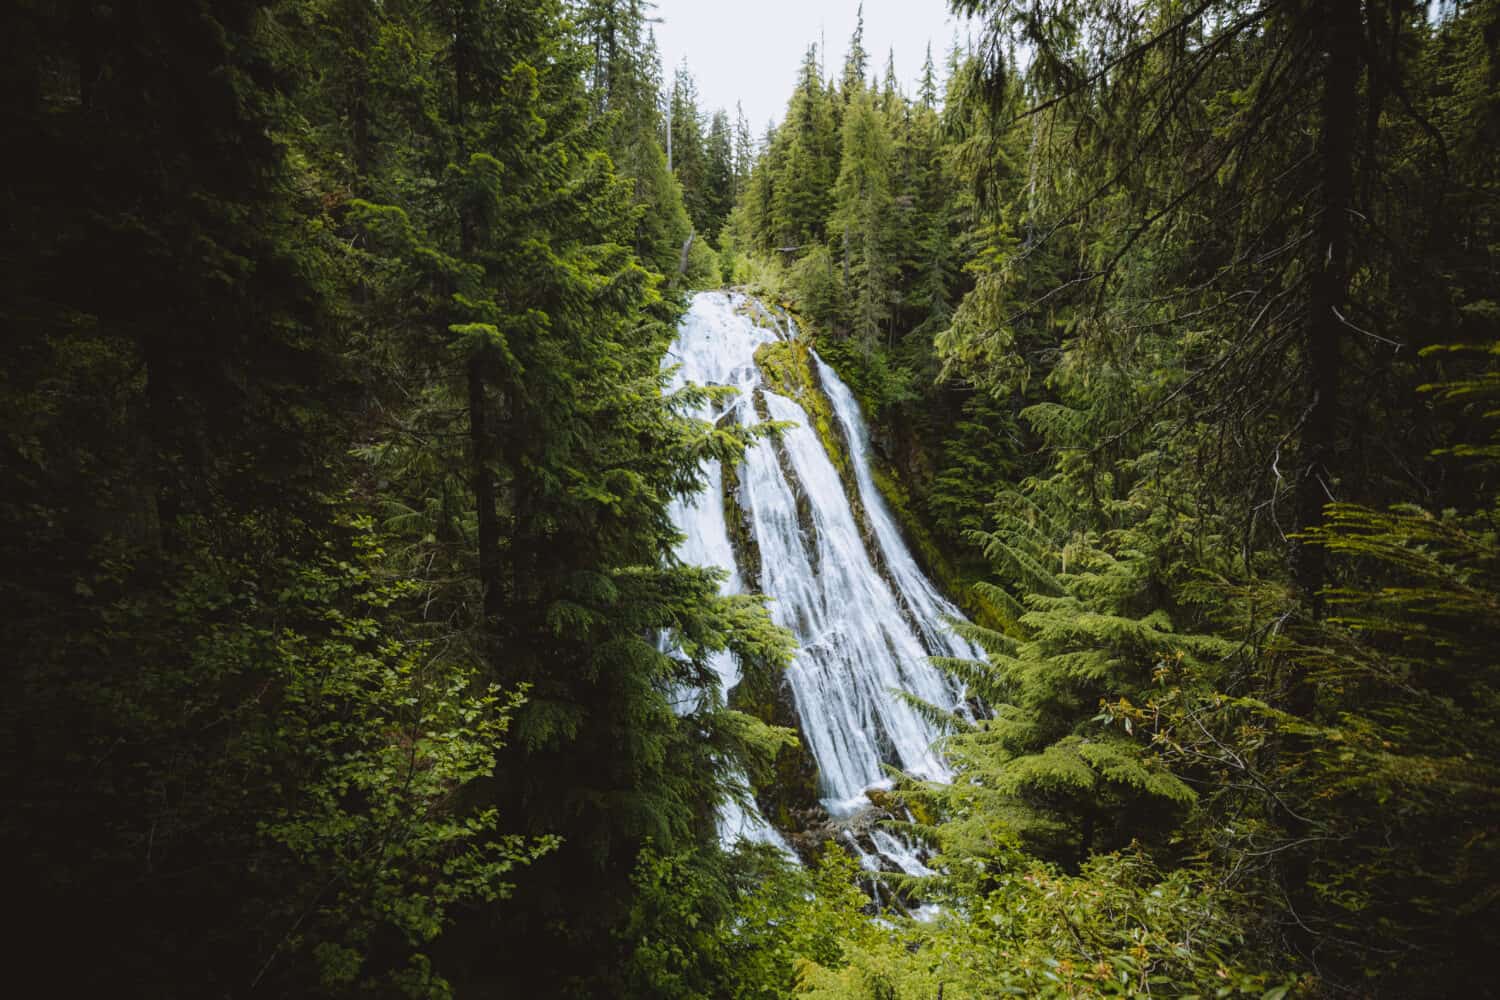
(930, 610)
(862, 634)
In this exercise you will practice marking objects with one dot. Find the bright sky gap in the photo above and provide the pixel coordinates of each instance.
(749, 52)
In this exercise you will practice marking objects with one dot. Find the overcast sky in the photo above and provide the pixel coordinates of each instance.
(749, 50)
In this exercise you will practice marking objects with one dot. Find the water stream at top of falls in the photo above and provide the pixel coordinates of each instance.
(865, 618)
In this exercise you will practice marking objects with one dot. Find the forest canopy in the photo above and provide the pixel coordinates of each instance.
(348, 649)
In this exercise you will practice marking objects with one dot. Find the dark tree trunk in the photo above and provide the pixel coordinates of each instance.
(1338, 23)
(480, 434)
(1338, 27)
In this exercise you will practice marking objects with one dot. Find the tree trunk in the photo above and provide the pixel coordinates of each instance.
(480, 436)
(1338, 27)
(1339, 24)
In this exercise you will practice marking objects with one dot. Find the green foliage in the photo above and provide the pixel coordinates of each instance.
(624, 85)
(817, 286)
(799, 168)
(864, 201)
(380, 252)
(1400, 779)
(1067, 782)
(1148, 308)
(380, 737)
(688, 155)
(345, 655)
(1120, 928)
(704, 268)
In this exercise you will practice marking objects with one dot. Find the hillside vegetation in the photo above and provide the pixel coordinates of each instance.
(346, 651)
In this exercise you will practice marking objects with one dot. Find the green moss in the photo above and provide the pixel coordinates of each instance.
(787, 368)
(791, 800)
(930, 555)
(741, 538)
(756, 312)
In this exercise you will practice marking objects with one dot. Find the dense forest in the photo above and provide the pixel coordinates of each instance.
(348, 653)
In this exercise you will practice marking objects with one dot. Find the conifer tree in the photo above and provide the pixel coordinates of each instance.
(890, 88)
(805, 160)
(625, 85)
(744, 152)
(927, 86)
(861, 220)
(278, 796)
(347, 655)
(719, 177)
(688, 156)
(856, 60)
(568, 465)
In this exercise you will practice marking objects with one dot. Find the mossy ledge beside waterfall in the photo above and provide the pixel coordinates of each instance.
(824, 548)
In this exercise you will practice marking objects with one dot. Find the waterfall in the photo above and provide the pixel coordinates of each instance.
(929, 609)
(864, 616)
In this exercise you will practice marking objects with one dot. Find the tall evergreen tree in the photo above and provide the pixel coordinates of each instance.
(927, 86)
(719, 173)
(856, 60)
(861, 221)
(213, 766)
(890, 88)
(689, 158)
(625, 85)
(527, 282)
(806, 155)
(744, 152)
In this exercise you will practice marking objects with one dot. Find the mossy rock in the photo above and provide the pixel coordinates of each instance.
(756, 312)
(792, 801)
(788, 369)
(931, 557)
(741, 535)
